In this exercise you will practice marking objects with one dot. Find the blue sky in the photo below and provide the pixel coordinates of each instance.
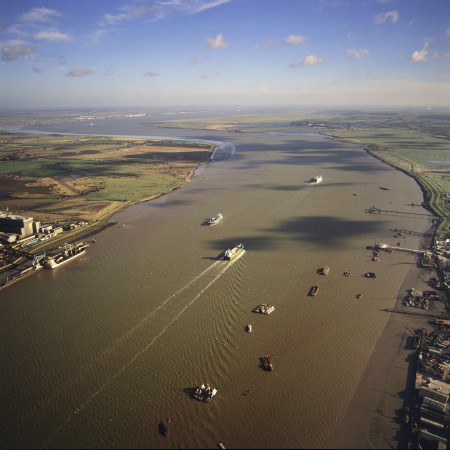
(151, 53)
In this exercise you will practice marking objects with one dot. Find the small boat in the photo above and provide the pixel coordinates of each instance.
(220, 445)
(267, 362)
(370, 275)
(215, 220)
(264, 309)
(234, 252)
(205, 393)
(164, 427)
(313, 290)
(359, 295)
(249, 328)
(323, 270)
(347, 273)
(318, 179)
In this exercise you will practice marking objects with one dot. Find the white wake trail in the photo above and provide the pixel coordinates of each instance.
(140, 352)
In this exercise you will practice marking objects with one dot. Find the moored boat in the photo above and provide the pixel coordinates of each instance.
(370, 275)
(267, 362)
(68, 253)
(215, 220)
(205, 393)
(234, 252)
(264, 309)
(164, 427)
(313, 290)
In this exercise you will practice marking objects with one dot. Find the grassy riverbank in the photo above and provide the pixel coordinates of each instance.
(69, 178)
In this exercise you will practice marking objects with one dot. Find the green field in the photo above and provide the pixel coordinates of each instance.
(54, 177)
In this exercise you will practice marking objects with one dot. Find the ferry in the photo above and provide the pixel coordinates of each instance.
(205, 393)
(234, 252)
(264, 309)
(313, 290)
(215, 220)
(318, 179)
(68, 253)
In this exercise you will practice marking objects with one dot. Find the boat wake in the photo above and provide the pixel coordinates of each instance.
(108, 352)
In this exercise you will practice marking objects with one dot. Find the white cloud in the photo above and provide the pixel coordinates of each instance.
(420, 55)
(356, 54)
(80, 72)
(293, 39)
(16, 49)
(393, 16)
(218, 42)
(150, 74)
(40, 15)
(52, 36)
(310, 60)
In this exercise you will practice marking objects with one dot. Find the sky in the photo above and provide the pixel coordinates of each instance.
(158, 53)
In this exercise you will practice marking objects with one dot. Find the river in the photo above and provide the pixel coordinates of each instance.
(96, 353)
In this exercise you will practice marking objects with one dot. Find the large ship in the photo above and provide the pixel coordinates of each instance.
(68, 253)
(215, 220)
(234, 252)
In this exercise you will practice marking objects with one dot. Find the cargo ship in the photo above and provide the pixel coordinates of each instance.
(215, 220)
(234, 252)
(68, 253)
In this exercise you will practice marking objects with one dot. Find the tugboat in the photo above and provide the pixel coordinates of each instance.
(164, 427)
(267, 362)
(215, 220)
(234, 252)
(205, 393)
(313, 290)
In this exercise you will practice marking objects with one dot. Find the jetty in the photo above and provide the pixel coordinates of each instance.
(374, 210)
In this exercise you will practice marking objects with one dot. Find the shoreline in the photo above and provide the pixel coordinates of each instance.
(373, 417)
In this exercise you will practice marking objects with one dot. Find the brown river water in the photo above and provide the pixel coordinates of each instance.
(94, 354)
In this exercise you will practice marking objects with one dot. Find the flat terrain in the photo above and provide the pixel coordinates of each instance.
(414, 141)
(55, 177)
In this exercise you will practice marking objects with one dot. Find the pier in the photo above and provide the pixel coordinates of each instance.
(401, 249)
(411, 313)
(374, 210)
